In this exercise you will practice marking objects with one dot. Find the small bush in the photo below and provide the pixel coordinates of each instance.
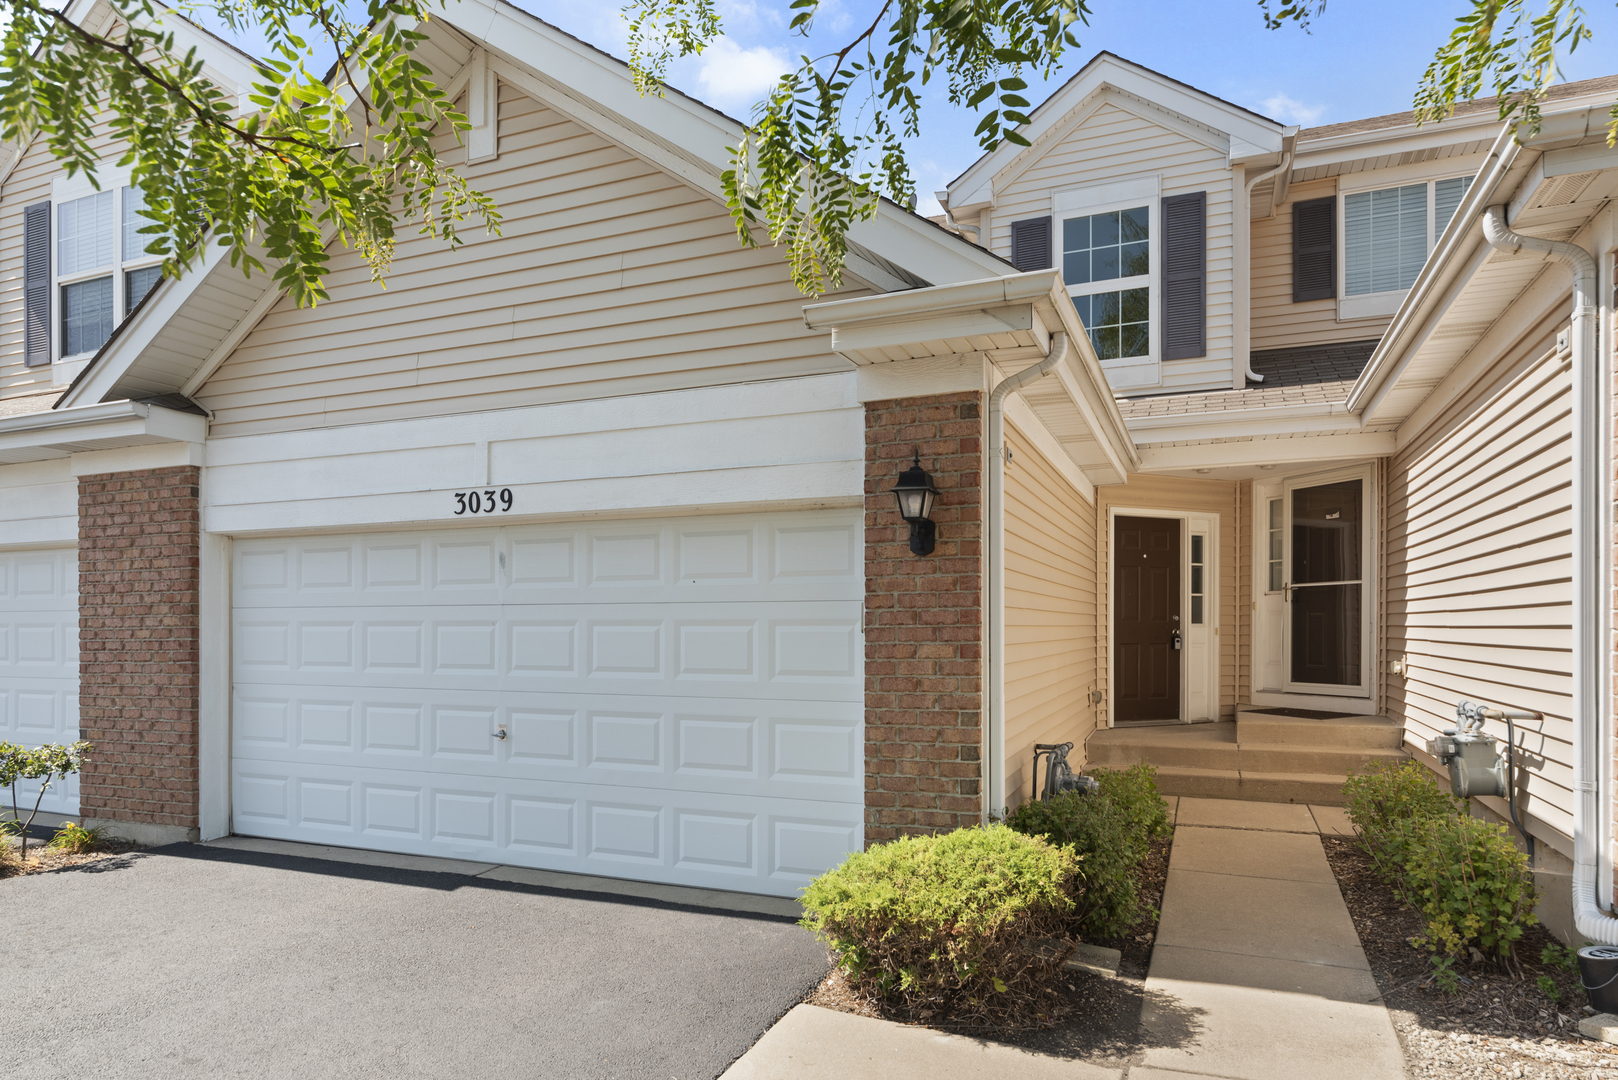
(1111, 831)
(1386, 801)
(1470, 883)
(947, 921)
(75, 839)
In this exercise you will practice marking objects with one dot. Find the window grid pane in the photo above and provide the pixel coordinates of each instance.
(84, 234)
(1447, 196)
(1197, 588)
(1119, 323)
(1275, 545)
(1385, 239)
(137, 283)
(1105, 247)
(134, 244)
(87, 315)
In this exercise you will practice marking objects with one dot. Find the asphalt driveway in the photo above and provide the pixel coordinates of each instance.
(192, 961)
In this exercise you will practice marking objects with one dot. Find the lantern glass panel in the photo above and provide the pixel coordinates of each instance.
(911, 503)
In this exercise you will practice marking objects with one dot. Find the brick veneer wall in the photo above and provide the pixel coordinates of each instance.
(138, 608)
(923, 621)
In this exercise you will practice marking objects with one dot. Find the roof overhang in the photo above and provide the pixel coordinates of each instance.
(110, 425)
(1008, 321)
(1471, 300)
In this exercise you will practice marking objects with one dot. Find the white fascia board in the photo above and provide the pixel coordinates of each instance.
(140, 329)
(1283, 420)
(1349, 445)
(1220, 116)
(938, 301)
(109, 423)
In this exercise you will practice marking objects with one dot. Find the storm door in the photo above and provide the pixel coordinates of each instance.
(1324, 585)
(1147, 635)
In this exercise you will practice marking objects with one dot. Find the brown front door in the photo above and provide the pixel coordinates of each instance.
(1146, 618)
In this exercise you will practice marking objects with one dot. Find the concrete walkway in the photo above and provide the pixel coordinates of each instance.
(1256, 941)
(1257, 974)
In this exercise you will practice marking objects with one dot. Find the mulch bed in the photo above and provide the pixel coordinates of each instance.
(1495, 1024)
(42, 860)
(1091, 1017)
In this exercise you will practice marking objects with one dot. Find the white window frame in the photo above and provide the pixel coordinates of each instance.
(65, 190)
(1131, 372)
(1379, 304)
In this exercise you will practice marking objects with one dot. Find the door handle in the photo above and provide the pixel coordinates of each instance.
(1286, 592)
(1174, 641)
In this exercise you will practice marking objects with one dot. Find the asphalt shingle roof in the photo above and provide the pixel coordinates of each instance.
(1306, 374)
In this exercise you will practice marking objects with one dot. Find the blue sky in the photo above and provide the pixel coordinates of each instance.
(1363, 58)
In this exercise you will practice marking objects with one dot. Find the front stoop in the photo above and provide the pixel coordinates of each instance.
(1259, 758)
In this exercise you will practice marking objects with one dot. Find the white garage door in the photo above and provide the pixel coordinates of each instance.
(39, 662)
(682, 699)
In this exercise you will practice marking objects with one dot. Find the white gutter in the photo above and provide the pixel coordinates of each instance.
(1592, 571)
(1244, 272)
(994, 657)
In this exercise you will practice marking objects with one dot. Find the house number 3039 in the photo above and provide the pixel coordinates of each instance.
(482, 502)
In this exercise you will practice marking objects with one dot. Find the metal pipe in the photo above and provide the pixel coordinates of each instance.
(993, 783)
(1288, 149)
(1592, 572)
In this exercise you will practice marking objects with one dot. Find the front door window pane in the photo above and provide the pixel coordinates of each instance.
(1326, 533)
(1275, 546)
(87, 315)
(1326, 635)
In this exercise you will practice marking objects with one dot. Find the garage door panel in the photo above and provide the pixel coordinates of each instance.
(770, 845)
(800, 750)
(681, 700)
(796, 649)
(39, 661)
(801, 556)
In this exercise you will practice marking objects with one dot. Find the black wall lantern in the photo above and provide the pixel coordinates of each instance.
(916, 496)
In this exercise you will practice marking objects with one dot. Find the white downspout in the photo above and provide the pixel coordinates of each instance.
(994, 656)
(1592, 574)
(1244, 253)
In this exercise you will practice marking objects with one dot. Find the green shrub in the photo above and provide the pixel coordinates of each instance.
(946, 921)
(74, 839)
(1111, 831)
(1470, 883)
(1386, 801)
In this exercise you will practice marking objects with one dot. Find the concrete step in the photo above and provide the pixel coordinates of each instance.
(1290, 758)
(1317, 789)
(1202, 746)
(1360, 732)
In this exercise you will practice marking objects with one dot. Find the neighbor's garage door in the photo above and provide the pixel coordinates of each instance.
(39, 662)
(682, 698)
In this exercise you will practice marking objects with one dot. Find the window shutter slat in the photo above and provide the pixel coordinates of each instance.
(1185, 275)
(1314, 249)
(36, 283)
(1031, 244)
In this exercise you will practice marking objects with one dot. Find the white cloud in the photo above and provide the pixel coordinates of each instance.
(735, 79)
(1288, 109)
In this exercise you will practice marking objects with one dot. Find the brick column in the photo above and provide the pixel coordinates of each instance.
(923, 621)
(138, 669)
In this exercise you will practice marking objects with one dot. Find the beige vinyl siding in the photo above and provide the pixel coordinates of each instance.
(1115, 144)
(1142, 492)
(1050, 614)
(1278, 323)
(611, 278)
(1478, 592)
(29, 183)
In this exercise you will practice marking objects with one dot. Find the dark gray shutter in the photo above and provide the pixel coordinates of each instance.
(36, 284)
(1314, 249)
(1185, 276)
(1031, 244)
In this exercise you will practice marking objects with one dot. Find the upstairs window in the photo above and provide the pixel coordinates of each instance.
(1387, 234)
(102, 271)
(1107, 264)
